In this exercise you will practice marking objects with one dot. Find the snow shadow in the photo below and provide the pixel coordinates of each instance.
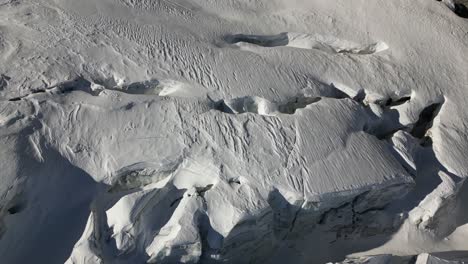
(56, 204)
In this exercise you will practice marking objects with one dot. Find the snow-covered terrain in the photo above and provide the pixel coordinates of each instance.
(238, 131)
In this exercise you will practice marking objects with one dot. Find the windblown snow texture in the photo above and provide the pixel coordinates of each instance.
(195, 131)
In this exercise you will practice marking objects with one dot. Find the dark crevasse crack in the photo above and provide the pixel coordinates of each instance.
(461, 10)
(364, 99)
(307, 41)
(17, 204)
(269, 41)
(17, 208)
(383, 127)
(78, 83)
(425, 120)
(391, 102)
(234, 181)
(262, 106)
(16, 98)
(202, 190)
(388, 122)
(418, 130)
(458, 7)
(82, 84)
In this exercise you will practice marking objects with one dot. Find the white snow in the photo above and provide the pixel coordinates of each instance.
(203, 131)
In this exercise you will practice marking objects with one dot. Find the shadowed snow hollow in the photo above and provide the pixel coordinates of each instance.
(194, 131)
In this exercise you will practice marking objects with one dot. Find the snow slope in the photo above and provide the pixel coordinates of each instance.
(141, 131)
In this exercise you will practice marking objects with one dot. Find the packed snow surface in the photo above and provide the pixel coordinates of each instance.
(238, 131)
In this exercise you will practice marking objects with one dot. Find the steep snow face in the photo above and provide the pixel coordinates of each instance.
(139, 131)
(184, 181)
